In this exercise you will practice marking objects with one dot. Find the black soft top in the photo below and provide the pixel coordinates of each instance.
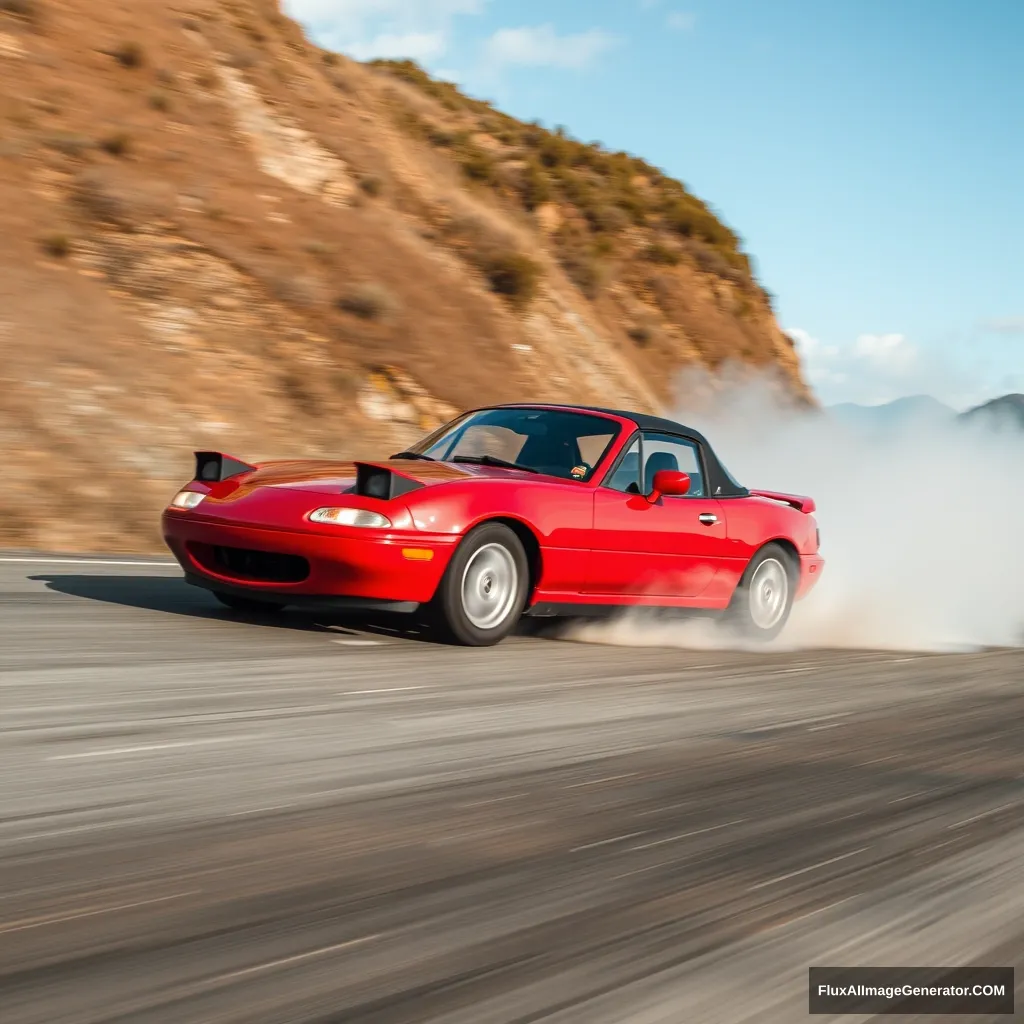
(721, 484)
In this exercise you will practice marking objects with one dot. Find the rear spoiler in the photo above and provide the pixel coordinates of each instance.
(800, 503)
(212, 467)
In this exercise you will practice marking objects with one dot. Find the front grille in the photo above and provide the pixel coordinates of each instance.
(260, 565)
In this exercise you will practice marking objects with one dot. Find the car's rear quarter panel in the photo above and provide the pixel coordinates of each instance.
(754, 522)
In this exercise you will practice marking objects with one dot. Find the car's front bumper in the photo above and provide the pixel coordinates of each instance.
(364, 569)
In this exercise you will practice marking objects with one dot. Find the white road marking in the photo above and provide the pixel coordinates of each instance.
(812, 867)
(911, 796)
(74, 830)
(359, 643)
(87, 561)
(386, 689)
(938, 846)
(598, 782)
(297, 958)
(812, 913)
(260, 810)
(113, 751)
(978, 817)
(667, 807)
(686, 835)
(800, 721)
(39, 922)
(640, 871)
(606, 842)
(494, 800)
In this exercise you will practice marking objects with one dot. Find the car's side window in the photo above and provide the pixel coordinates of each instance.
(660, 451)
(666, 451)
(626, 476)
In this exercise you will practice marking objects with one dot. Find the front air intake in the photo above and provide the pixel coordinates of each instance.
(213, 467)
(382, 483)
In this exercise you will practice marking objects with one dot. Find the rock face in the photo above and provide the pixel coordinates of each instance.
(215, 234)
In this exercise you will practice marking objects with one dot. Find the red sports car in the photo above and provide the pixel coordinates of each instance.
(511, 510)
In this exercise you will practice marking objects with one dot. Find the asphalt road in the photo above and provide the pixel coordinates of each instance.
(204, 819)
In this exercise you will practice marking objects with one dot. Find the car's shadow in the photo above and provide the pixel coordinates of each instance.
(172, 595)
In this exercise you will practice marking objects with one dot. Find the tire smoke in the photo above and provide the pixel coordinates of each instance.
(922, 523)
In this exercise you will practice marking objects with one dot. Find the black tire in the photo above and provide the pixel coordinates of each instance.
(484, 589)
(757, 610)
(249, 605)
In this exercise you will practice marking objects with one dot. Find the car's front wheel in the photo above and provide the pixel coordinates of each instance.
(249, 605)
(764, 597)
(484, 588)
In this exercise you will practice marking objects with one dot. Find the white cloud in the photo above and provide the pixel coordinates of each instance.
(364, 29)
(681, 21)
(874, 368)
(1004, 325)
(889, 354)
(878, 368)
(542, 46)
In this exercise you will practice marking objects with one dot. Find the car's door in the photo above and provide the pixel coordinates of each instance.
(669, 548)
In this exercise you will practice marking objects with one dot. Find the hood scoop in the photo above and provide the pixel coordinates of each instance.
(382, 482)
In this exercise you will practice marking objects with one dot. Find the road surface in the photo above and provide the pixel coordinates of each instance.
(207, 819)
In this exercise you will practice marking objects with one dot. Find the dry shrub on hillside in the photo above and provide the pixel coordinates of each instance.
(129, 55)
(118, 143)
(56, 245)
(105, 196)
(30, 10)
(300, 291)
(495, 253)
(99, 197)
(371, 185)
(580, 258)
(369, 301)
(512, 274)
(68, 143)
(658, 252)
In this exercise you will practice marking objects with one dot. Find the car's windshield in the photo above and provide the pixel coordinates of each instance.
(555, 442)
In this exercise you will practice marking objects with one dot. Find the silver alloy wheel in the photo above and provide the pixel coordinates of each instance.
(490, 584)
(769, 591)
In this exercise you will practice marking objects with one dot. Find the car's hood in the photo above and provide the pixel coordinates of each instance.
(328, 477)
(281, 494)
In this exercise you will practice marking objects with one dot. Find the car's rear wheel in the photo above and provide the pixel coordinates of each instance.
(764, 597)
(484, 589)
(249, 605)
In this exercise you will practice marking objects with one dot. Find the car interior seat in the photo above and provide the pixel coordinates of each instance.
(557, 457)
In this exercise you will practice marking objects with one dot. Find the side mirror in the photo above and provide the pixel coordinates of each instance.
(670, 482)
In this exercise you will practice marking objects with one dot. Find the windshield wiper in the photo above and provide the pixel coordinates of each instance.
(493, 460)
(414, 455)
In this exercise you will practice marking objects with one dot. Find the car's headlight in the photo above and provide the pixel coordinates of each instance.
(349, 517)
(186, 499)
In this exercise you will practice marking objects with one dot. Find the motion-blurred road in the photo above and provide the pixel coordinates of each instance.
(208, 819)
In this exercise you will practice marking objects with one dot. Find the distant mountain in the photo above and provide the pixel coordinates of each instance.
(1005, 413)
(913, 408)
(1002, 414)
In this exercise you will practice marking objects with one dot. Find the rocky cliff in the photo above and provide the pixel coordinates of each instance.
(214, 234)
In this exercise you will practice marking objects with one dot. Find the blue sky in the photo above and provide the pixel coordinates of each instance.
(869, 152)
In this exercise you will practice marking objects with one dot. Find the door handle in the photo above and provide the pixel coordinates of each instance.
(707, 518)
